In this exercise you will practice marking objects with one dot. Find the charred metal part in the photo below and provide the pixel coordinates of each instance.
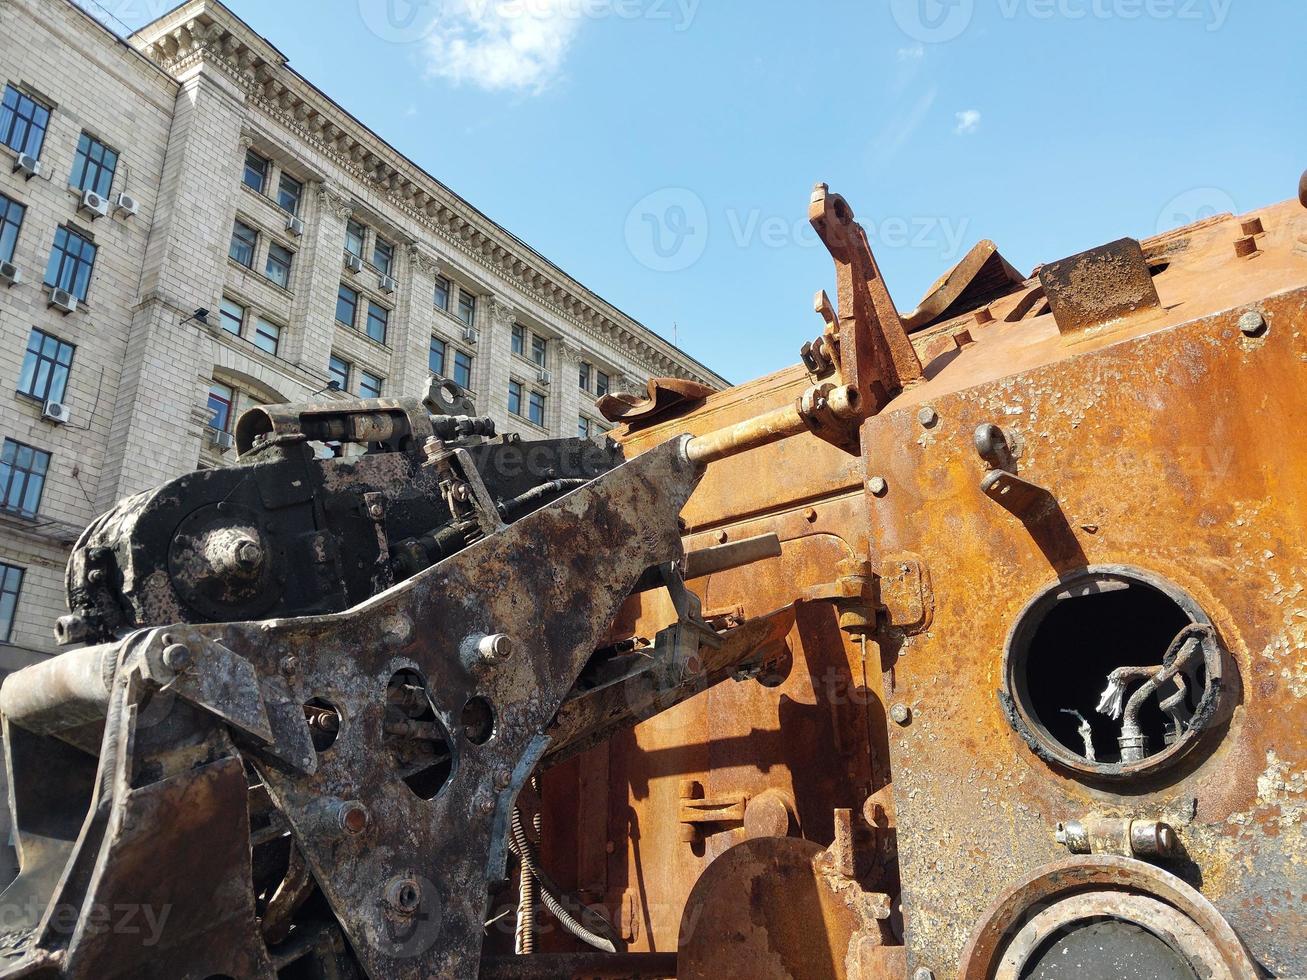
(1117, 835)
(1070, 896)
(1099, 287)
(394, 423)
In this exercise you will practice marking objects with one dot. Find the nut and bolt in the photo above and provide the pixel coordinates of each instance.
(1253, 226)
(927, 416)
(495, 648)
(290, 666)
(376, 511)
(877, 486)
(1252, 324)
(503, 778)
(248, 554)
(901, 713)
(353, 818)
(1246, 246)
(404, 895)
(177, 656)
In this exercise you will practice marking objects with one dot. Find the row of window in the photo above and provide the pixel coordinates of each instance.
(72, 258)
(257, 329)
(244, 245)
(348, 304)
(526, 403)
(23, 124)
(290, 192)
(450, 362)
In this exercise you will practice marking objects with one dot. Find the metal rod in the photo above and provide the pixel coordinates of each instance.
(763, 430)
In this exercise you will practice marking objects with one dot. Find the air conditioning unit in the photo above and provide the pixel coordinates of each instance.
(223, 440)
(126, 206)
(27, 165)
(469, 335)
(387, 284)
(62, 300)
(295, 225)
(353, 263)
(56, 412)
(10, 274)
(93, 204)
(544, 377)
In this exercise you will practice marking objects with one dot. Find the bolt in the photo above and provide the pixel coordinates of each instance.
(249, 555)
(503, 778)
(290, 666)
(496, 648)
(1244, 247)
(810, 515)
(923, 973)
(901, 713)
(96, 576)
(353, 818)
(1252, 324)
(877, 486)
(376, 512)
(404, 895)
(177, 656)
(927, 416)
(1253, 226)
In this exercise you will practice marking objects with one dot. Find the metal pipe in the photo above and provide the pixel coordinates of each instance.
(763, 430)
(62, 693)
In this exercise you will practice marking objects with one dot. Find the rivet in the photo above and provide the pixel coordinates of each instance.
(1252, 324)
(877, 486)
(927, 416)
(353, 818)
(901, 713)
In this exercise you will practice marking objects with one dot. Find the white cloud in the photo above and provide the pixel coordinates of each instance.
(968, 121)
(502, 44)
(914, 53)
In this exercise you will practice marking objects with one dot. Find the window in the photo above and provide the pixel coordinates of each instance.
(277, 268)
(347, 304)
(463, 369)
(94, 166)
(378, 320)
(45, 367)
(354, 233)
(22, 477)
(232, 315)
(11, 221)
(256, 171)
(467, 307)
(266, 336)
(536, 408)
(11, 583)
(442, 293)
(436, 357)
(289, 192)
(539, 350)
(583, 428)
(515, 397)
(244, 239)
(22, 122)
(519, 339)
(370, 385)
(338, 371)
(383, 255)
(601, 384)
(71, 262)
(221, 400)
(584, 379)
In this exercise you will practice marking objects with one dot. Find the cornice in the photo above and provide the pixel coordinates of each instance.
(193, 35)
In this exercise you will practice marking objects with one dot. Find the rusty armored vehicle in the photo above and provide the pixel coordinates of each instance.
(972, 646)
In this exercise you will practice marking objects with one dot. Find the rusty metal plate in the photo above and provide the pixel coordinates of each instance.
(1099, 286)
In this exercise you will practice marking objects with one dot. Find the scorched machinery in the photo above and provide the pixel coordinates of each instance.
(970, 647)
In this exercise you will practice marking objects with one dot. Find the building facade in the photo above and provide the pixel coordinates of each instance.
(189, 168)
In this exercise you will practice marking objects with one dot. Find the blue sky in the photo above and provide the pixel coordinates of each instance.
(663, 151)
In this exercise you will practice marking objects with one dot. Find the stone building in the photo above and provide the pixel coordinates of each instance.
(188, 168)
